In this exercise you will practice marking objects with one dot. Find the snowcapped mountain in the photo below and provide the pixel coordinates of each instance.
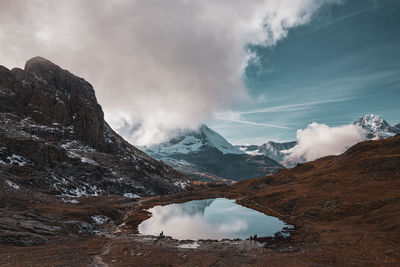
(377, 127)
(206, 155)
(270, 149)
(191, 141)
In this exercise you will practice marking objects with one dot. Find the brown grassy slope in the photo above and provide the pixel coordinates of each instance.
(350, 203)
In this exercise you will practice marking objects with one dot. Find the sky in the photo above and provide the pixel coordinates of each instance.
(252, 70)
(343, 64)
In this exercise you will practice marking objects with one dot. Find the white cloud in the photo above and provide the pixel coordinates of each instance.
(319, 140)
(162, 64)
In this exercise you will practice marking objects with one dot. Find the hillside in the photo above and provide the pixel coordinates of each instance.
(345, 210)
(346, 207)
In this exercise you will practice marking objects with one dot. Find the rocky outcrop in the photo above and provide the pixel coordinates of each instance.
(48, 94)
(53, 138)
(25, 228)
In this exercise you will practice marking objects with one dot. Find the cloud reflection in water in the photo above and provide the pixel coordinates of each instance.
(209, 219)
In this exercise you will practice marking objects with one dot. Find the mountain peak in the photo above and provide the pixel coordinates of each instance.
(43, 69)
(215, 140)
(372, 122)
(189, 141)
(204, 154)
(375, 126)
(38, 61)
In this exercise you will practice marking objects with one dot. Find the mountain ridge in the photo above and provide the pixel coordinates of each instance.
(52, 127)
(205, 155)
(188, 141)
(374, 125)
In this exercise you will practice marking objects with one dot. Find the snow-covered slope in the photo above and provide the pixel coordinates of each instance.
(376, 127)
(205, 155)
(191, 141)
(270, 149)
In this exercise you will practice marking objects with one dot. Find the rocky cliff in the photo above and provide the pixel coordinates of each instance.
(53, 138)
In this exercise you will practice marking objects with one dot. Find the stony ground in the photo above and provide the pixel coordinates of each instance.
(346, 210)
(117, 242)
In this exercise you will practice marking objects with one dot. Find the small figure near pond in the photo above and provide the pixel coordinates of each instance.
(161, 235)
(254, 237)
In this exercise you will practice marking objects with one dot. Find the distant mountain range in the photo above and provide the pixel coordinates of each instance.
(205, 155)
(270, 149)
(375, 126)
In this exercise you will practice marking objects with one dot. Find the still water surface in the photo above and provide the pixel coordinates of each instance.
(217, 218)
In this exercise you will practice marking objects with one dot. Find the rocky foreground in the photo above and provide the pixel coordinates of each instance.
(345, 209)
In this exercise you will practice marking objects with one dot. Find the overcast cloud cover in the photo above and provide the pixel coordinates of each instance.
(320, 140)
(161, 65)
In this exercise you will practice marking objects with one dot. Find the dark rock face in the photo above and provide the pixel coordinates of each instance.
(53, 138)
(49, 94)
(25, 228)
(235, 167)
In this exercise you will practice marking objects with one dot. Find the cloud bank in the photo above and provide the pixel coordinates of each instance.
(320, 140)
(159, 65)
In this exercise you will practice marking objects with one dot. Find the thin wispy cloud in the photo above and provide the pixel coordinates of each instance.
(236, 117)
(295, 107)
(256, 123)
(375, 6)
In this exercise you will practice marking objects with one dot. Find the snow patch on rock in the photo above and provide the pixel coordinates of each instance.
(72, 201)
(193, 245)
(77, 150)
(15, 160)
(181, 184)
(100, 219)
(131, 195)
(12, 184)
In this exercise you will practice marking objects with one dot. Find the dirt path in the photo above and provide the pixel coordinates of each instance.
(97, 260)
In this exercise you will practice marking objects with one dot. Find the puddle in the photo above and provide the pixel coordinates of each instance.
(216, 219)
(190, 245)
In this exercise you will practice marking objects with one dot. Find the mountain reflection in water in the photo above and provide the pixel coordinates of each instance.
(209, 219)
